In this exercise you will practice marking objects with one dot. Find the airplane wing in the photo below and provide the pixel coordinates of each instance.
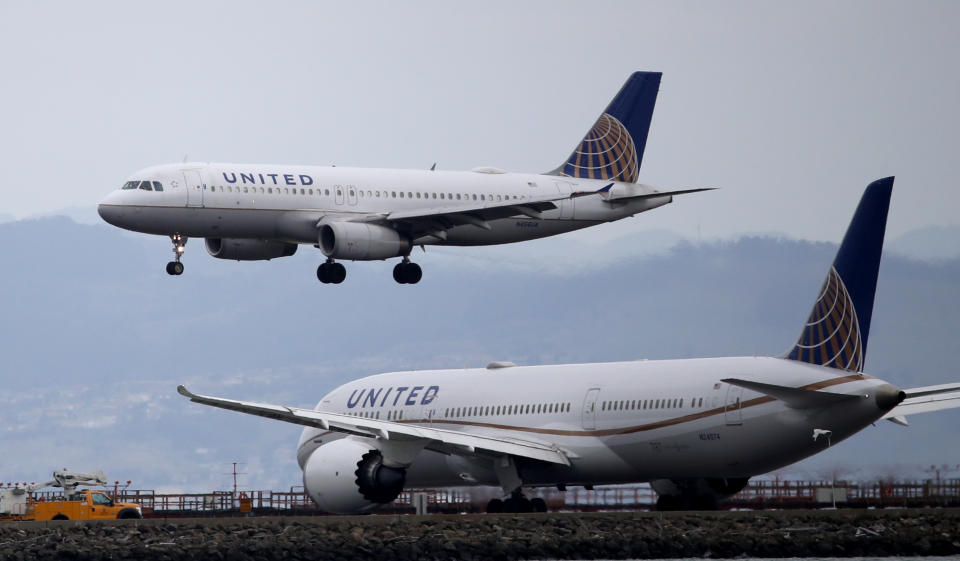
(440, 440)
(435, 221)
(925, 400)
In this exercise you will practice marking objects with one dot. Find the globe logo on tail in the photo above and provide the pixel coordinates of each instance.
(606, 152)
(831, 336)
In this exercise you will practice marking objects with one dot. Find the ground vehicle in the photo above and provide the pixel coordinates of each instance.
(21, 503)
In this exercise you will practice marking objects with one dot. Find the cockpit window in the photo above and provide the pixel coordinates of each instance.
(157, 186)
(145, 185)
(131, 185)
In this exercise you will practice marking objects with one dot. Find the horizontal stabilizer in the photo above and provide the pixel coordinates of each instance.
(794, 397)
(902, 421)
(661, 194)
(925, 400)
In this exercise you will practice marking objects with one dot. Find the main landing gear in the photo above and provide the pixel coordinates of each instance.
(407, 272)
(331, 272)
(175, 267)
(516, 503)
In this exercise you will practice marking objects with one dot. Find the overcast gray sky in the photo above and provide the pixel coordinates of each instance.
(791, 108)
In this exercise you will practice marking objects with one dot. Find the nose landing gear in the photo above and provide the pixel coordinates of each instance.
(331, 272)
(175, 267)
(406, 272)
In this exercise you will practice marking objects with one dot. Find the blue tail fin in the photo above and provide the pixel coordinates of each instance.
(836, 333)
(613, 147)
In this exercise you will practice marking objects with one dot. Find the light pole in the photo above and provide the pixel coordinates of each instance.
(817, 433)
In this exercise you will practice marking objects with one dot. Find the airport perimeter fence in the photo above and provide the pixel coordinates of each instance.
(757, 494)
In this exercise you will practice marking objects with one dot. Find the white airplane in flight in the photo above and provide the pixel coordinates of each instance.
(696, 429)
(256, 212)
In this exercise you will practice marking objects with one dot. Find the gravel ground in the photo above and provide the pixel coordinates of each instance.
(842, 533)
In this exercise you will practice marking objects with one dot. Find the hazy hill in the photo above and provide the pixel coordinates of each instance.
(95, 337)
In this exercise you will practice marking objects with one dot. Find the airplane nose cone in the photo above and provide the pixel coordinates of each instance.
(888, 397)
(111, 209)
(111, 214)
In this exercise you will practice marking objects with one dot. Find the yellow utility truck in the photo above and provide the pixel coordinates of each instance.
(21, 503)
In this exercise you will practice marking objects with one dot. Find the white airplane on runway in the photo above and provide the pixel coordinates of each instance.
(696, 429)
(256, 212)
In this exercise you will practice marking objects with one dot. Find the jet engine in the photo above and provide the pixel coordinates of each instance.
(361, 242)
(695, 494)
(348, 476)
(248, 250)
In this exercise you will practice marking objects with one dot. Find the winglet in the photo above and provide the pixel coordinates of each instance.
(182, 390)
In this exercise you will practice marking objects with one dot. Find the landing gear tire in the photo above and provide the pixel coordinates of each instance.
(668, 503)
(406, 272)
(495, 506)
(331, 273)
(517, 504)
(174, 268)
(704, 502)
(687, 502)
(538, 505)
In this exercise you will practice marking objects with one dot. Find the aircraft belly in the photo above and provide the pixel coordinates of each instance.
(195, 222)
(761, 443)
(433, 469)
(232, 223)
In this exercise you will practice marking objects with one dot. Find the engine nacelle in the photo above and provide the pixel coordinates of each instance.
(248, 250)
(361, 242)
(348, 476)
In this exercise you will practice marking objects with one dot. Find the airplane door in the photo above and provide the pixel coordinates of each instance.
(732, 409)
(338, 194)
(194, 184)
(590, 409)
(566, 205)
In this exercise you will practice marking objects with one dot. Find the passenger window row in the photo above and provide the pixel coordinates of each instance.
(641, 404)
(393, 415)
(361, 193)
(497, 410)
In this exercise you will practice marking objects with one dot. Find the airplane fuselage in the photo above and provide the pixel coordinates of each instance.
(618, 422)
(288, 203)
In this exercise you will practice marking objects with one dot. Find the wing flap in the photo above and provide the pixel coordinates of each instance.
(447, 441)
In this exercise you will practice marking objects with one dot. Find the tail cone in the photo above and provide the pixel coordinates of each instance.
(888, 397)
